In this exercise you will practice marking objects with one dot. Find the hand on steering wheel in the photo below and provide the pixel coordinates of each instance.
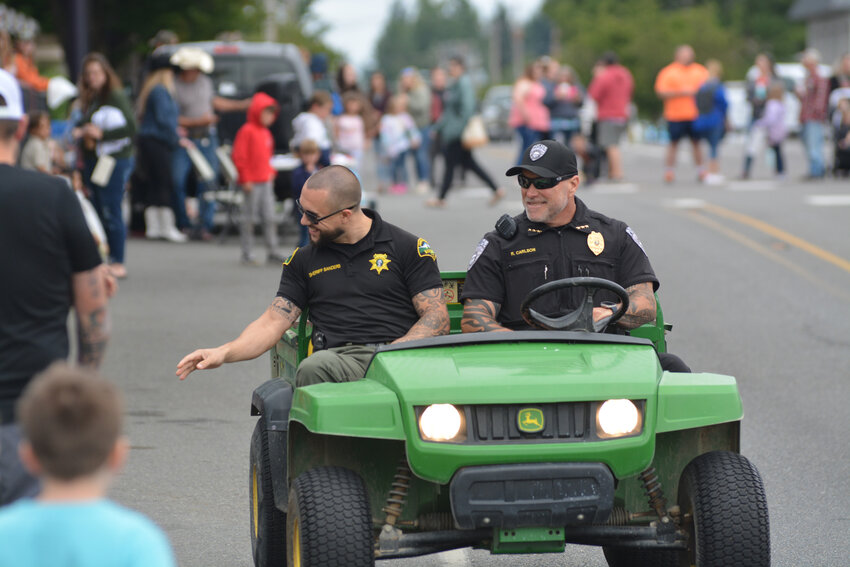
(581, 319)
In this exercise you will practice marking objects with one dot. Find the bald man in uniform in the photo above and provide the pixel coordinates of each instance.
(365, 281)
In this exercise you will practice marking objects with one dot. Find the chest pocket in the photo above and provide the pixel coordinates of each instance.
(521, 276)
(596, 268)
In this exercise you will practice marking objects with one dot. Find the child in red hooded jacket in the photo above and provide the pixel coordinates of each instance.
(252, 152)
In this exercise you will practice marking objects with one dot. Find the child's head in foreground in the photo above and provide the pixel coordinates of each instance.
(71, 421)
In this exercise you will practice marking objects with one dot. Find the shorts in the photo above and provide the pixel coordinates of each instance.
(609, 132)
(679, 130)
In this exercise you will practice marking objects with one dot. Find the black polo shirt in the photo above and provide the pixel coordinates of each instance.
(506, 270)
(361, 293)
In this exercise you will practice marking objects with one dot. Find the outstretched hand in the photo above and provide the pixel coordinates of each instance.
(201, 359)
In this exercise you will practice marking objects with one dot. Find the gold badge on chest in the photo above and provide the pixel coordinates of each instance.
(596, 242)
(379, 262)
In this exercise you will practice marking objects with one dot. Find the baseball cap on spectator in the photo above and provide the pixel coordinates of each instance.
(188, 58)
(547, 158)
(11, 104)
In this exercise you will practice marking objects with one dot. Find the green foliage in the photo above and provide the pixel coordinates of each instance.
(430, 32)
(645, 33)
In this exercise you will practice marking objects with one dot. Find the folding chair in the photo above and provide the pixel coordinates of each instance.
(228, 199)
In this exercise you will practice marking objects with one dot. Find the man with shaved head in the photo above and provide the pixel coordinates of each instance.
(365, 282)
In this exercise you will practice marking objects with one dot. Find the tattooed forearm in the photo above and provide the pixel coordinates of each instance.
(286, 309)
(480, 315)
(641, 306)
(433, 316)
(93, 332)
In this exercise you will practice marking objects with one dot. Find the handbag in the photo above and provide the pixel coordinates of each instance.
(474, 133)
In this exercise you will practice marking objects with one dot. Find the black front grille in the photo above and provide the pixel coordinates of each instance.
(562, 422)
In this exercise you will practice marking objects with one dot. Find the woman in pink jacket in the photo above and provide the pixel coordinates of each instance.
(529, 116)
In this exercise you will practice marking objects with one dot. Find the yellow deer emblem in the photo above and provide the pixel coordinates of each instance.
(530, 420)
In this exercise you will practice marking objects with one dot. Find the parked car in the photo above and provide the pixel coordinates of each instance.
(243, 68)
(516, 442)
(495, 109)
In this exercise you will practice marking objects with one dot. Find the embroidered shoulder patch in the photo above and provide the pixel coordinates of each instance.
(479, 250)
(424, 250)
(634, 236)
(291, 256)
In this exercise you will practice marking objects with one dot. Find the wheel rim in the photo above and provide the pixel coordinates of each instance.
(255, 501)
(296, 544)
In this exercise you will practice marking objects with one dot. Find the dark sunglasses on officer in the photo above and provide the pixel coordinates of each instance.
(313, 218)
(540, 182)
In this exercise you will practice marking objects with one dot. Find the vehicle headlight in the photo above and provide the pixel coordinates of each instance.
(440, 422)
(617, 418)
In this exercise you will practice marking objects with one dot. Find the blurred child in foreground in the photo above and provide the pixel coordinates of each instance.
(72, 423)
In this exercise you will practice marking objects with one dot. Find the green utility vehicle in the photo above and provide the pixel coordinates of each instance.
(516, 442)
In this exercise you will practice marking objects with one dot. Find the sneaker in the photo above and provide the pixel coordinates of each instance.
(422, 188)
(435, 203)
(714, 179)
(250, 261)
(668, 177)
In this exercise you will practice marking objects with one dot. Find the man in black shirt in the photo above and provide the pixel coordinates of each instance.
(556, 237)
(49, 263)
(365, 282)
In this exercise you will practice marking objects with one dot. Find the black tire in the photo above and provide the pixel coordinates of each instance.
(724, 495)
(633, 557)
(329, 523)
(268, 524)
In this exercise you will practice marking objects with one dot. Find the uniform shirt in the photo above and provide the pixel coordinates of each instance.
(506, 270)
(361, 293)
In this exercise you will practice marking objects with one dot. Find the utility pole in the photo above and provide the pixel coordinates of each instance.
(518, 50)
(270, 23)
(495, 52)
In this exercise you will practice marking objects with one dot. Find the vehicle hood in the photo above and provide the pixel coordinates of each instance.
(518, 373)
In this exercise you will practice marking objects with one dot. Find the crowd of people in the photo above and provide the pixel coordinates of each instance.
(401, 124)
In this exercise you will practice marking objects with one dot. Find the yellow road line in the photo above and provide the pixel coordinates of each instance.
(781, 235)
(767, 252)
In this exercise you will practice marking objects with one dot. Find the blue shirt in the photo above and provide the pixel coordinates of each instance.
(95, 533)
(160, 117)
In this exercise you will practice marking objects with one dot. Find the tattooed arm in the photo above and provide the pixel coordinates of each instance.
(433, 316)
(641, 307)
(480, 315)
(91, 296)
(257, 338)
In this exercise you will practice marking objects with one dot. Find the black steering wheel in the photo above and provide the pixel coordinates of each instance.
(581, 319)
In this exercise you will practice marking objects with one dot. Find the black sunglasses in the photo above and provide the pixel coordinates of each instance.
(540, 182)
(313, 217)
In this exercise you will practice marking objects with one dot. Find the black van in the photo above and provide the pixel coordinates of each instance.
(243, 68)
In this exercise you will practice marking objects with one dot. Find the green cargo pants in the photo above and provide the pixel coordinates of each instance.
(338, 364)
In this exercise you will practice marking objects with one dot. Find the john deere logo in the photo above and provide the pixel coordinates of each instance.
(530, 420)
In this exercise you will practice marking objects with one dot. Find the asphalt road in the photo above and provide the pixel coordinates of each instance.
(755, 277)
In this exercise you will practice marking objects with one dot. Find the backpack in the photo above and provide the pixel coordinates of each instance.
(705, 97)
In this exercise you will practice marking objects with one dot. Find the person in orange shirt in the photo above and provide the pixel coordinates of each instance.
(677, 85)
(27, 72)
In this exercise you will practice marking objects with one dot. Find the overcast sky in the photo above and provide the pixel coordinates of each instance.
(355, 25)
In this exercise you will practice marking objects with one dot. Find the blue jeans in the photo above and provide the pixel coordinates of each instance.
(398, 169)
(527, 137)
(107, 203)
(16, 482)
(813, 142)
(181, 165)
(421, 154)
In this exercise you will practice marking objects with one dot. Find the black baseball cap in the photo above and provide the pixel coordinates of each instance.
(547, 158)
